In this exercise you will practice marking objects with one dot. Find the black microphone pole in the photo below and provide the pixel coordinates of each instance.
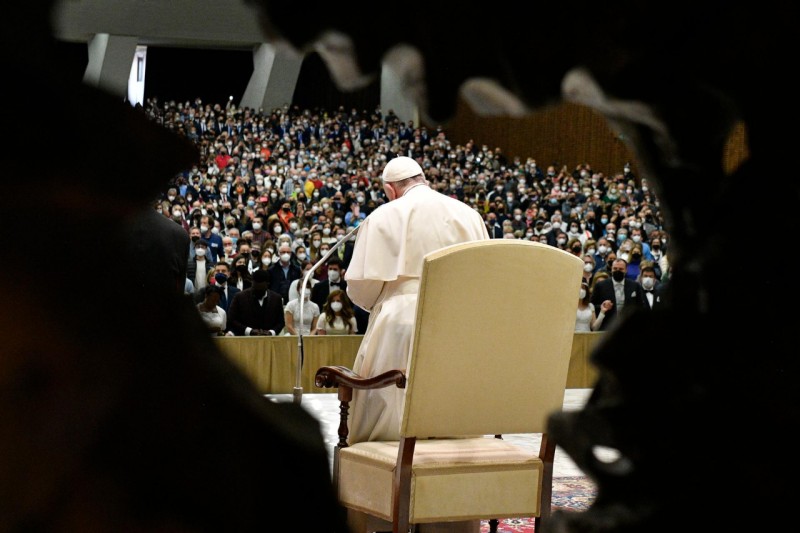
(298, 383)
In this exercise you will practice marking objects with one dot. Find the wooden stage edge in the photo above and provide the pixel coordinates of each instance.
(271, 362)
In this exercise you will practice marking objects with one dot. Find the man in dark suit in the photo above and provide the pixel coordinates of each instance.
(222, 274)
(257, 310)
(625, 294)
(652, 289)
(284, 272)
(320, 291)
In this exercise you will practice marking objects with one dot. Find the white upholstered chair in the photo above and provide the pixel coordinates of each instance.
(489, 356)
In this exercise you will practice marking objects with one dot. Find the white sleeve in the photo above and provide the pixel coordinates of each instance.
(364, 292)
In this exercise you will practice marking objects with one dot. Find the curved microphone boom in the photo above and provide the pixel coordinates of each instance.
(297, 392)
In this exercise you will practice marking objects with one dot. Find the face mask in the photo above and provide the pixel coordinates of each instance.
(517, 217)
(273, 195)
(203, 229)
(177, 214)
(636, 238)
(266, 260)
(277, 229)
(618, 275)
(576, 250)
(241, 269)
(590, 251)
(338, 220)
(333, 276)
(556, 225)
(301, 256)
(602, 249)
(562, 241)
(336, 306)
(293, 226)
(326, 231)
(215, 230)
(339, 236)
(200, 252)
(573, 229)
(223, 190)
(582, 294)
(195, 238)
(528, 235)
(626, 257)
(220, 278)
(604, 220)
(587, 267)
(285, 257)
(648, 283)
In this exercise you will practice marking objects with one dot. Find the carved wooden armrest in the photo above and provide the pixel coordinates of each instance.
(340, 376)
(343, 378)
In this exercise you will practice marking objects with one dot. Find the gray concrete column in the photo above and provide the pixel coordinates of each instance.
(276, 69)
(110, 61)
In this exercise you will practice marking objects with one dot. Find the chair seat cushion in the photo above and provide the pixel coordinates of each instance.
(452, 479)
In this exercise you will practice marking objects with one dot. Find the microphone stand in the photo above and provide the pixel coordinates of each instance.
(297, 392)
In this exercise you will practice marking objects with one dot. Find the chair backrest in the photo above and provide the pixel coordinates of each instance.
(492, 340)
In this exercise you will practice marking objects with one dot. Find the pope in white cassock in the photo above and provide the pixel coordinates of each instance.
(383, 278)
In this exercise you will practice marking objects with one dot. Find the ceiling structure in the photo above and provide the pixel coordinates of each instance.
(217, 24)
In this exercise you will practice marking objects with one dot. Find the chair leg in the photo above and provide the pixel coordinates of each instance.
(493, 524)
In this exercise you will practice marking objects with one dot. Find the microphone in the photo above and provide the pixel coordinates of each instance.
(297, 392)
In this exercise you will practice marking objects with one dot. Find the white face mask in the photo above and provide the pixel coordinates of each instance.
(336, 306)
(326, 231)
(333, 276)
(582, 294)
(256, 226)
(636, 238)
(200, 252)
(587, 267)
(301, 256)
(648, 283)
(266, 260)
(293, 226)
(203, 229)
(316, 244)
(285, 257)
(602, 249)
(277, 229)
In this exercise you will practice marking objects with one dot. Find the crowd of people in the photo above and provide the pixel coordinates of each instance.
(274, 191)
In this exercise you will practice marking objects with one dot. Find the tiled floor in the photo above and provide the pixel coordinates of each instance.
(325, 407)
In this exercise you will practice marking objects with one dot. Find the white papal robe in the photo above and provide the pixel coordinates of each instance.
(383, 278)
